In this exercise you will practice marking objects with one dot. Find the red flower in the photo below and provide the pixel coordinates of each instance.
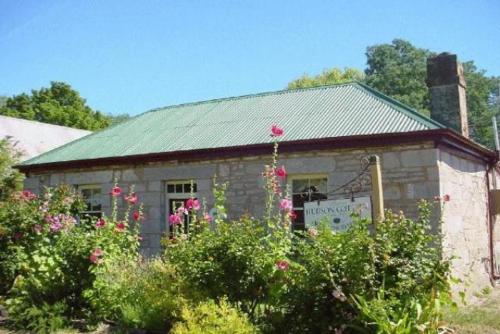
(282, 265)
(292, 215)
(276, 131)
(28, 194)
(193, 204)
(131, 199)
(136, 215)
(117, 191)
(446, 198)
(100, 223)
(280, 172)
(120, 227)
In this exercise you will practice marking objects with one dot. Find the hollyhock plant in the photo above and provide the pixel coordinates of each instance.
(282, 265)
(174, 219)
(120, 227)
(56, 226)
(286, 204)
(95, 256)
(207, 217)
(131, 199)
(100, 223)
(281, 172)
(116, 191)
(136, 215)
(276, 131)
(193, 204)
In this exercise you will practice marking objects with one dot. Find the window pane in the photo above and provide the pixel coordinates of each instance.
(170, 188)
(298, 223)
(178, 188)
(300, 186)
(195, 188)
(298, 200)
(187, 187)
(319, 185)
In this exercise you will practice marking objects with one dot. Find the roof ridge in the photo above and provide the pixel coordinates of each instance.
(409, 111)
(246, 96)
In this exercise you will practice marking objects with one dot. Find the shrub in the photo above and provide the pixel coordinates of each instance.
(55, 256)
(213, 318)
(145, 295)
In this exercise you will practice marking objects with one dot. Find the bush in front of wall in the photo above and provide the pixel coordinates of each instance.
(54, 258)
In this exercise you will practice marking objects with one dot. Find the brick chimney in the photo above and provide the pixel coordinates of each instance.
(446, 82)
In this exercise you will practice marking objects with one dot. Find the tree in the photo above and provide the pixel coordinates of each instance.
(482, 102)
(59, 104)
(10, 178)
(399, 70)
(3, 100)
(115, 119)
(327, 77)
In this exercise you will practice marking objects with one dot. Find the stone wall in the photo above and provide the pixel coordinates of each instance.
(465, 219)
(409, 173)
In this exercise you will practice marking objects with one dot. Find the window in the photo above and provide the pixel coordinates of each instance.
(92, 196)
(306, 189)
(178, 192)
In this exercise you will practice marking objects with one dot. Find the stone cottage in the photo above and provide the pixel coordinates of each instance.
(328, 130)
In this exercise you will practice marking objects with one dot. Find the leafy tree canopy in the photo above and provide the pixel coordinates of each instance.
(3, 100)
(10, 178)
(59, 104)
(399, 69)
(327, 77)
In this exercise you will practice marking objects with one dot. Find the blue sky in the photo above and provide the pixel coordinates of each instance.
(131, 56)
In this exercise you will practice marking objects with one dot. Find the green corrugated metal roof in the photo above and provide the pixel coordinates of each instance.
(321, 112)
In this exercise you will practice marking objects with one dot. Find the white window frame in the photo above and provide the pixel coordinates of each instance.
(177, 196)
(295, 177)
(82, 187)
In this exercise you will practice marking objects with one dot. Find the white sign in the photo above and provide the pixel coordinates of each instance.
(336, 212)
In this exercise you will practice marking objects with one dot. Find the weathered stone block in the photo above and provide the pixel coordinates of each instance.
(416, 158)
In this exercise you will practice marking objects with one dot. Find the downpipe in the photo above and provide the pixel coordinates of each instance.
(494, 276)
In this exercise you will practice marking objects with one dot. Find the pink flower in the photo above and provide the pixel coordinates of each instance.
(97, 252)
(286, 204)
(131, 199)
(55, 226)
(312, 232)
(37, 228)
(193, 204)
(280, 172)
(276, 131)
(292, 215)
(116, 191)
(100, 223)
(120, 227)
(207, 217)
(18, 235)
(95, 256)
(282, 265)
(181, 210)
(136, 215)
(28, 194)
(446, 198)
(174, 219)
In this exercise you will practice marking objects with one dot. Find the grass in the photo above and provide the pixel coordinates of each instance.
(483, 317)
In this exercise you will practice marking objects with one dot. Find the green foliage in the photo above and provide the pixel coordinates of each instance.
(10, 178)
(390, 316)
(59, 104)
(144, 295)
(327, 77)
(3, 100)
(399, 70)
(213, 318)
(53, 259)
